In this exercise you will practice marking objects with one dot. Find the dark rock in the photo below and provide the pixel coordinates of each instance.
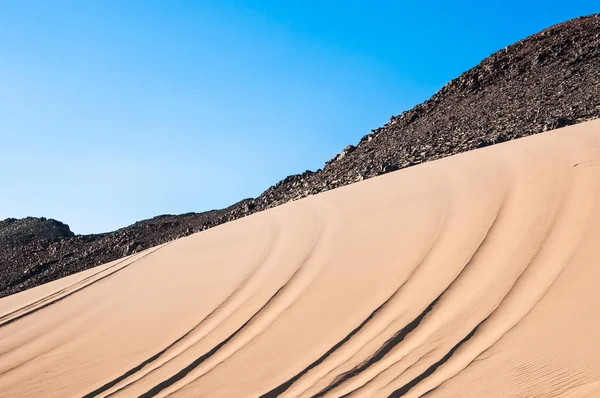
(388, 168)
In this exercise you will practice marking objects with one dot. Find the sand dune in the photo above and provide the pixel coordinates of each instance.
(472, 276)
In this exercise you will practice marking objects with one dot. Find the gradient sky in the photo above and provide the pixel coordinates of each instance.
(116, 111)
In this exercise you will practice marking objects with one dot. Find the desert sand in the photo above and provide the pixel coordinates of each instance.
(476, 275)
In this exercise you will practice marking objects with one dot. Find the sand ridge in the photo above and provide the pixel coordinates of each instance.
(469, 276)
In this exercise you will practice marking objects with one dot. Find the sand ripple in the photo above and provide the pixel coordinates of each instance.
(472, 276)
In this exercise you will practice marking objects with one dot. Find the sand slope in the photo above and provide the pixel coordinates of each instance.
(473, 276)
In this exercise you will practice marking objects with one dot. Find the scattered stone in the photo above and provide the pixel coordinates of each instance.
(346, 151)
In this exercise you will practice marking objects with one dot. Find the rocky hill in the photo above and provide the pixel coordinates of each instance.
(544, 82)
(31, 229)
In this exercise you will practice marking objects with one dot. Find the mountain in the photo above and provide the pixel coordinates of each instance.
(546, 81)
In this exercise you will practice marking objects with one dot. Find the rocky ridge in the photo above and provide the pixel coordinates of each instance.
(544, 82)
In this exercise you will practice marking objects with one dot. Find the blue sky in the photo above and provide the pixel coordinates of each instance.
(116, 111)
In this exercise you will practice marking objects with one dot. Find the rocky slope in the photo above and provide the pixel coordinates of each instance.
(547, 81)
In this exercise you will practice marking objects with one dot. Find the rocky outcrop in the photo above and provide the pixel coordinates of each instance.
(31, 229)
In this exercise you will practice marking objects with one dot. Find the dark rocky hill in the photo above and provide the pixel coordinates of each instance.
(30, 229)
(547, 81)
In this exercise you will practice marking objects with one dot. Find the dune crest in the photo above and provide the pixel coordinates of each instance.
(471, 276)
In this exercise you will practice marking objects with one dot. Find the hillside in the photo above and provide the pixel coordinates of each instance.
(547, 81)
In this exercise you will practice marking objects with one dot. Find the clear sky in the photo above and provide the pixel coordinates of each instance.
(116, 111)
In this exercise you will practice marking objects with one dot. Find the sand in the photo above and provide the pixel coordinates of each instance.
(473, 276)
